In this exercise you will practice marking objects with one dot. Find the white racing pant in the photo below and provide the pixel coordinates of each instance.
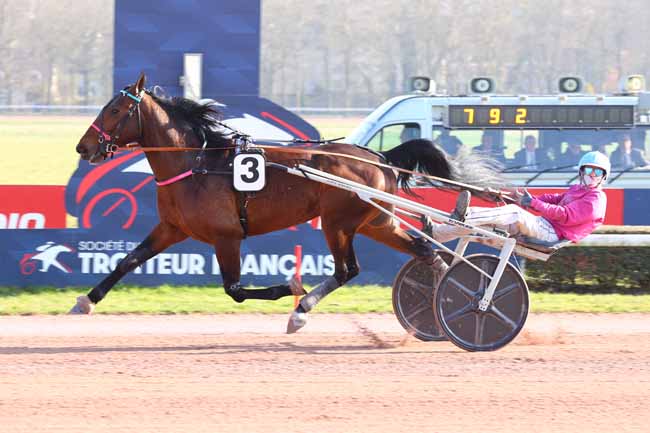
(511, 218)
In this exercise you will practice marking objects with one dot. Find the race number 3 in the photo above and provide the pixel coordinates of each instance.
(249, 172)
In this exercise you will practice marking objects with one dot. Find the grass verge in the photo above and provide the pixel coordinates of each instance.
(46, 145)
(211, 300)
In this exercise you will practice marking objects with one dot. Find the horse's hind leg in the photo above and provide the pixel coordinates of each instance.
(161, 237)
(227, 251)
(346, 267)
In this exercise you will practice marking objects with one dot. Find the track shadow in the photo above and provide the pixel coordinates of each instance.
(216, 349)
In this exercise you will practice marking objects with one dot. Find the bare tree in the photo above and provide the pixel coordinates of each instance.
(345, 53)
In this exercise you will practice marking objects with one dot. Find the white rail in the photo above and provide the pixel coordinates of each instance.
(614, 240)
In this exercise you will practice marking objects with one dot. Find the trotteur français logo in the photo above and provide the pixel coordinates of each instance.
(47, 256)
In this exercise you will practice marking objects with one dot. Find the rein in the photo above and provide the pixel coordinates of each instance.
(242, 141)
(503, 195)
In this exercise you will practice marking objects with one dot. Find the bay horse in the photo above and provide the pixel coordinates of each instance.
(208, 209)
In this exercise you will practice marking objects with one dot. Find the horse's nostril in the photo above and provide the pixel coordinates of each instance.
(80, 149)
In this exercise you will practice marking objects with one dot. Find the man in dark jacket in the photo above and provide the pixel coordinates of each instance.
(572, 154)
(626, 157)
(489, 148)
(530, 157)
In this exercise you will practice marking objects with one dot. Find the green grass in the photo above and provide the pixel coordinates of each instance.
(40, 150)
(182, 300)
(334, 127)
(586, 303)
(211, 300)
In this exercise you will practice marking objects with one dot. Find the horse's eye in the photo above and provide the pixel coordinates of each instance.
(115, 111)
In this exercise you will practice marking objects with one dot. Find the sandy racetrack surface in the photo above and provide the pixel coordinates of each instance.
(341, 373)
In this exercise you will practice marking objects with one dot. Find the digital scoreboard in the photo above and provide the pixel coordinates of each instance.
(540, 116)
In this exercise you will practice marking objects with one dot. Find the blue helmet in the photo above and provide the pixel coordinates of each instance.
(596, 159)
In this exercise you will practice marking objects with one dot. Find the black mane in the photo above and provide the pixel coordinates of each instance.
(203, 119)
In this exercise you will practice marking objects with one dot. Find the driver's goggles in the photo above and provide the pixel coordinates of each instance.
(595, 170)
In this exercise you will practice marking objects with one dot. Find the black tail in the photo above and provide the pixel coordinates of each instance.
(419, 155)
(423, 156)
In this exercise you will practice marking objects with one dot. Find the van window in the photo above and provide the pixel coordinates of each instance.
(393, 135)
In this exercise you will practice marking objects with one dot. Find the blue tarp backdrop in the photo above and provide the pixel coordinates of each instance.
(151, 36)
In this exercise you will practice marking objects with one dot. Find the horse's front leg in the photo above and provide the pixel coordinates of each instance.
(161, 237)
(227, 252)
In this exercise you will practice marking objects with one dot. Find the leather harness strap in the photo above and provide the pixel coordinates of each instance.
(243, 211)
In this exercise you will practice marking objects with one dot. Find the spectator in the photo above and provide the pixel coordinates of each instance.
(487, 147)
(442, 140)
(449, 143)
(626, 157)
(572, 154)
(602, 148)
(454, 146)
(600, 143)
(530, 157)
(411, 131)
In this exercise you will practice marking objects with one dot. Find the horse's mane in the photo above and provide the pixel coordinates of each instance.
(203, 119)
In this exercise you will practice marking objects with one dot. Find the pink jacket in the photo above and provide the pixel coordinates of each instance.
(574, 214)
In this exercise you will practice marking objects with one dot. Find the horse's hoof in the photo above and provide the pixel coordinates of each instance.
(296, 287)
(236, 292)
(296, 321)
(83, 306)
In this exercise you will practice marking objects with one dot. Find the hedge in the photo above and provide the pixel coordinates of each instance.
(593, 270)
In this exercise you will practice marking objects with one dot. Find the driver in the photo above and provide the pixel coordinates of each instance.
(571, 215)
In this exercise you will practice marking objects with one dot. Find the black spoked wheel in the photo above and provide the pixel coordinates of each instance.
(413, 295)
(457, 298)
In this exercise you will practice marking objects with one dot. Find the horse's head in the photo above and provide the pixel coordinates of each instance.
(114, 126)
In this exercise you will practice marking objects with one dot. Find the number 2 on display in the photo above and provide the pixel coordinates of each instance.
(495, 116)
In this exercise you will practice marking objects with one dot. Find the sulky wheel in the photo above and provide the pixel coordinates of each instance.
(457, 298)
(413, 299)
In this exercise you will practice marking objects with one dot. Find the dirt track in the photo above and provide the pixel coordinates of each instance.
(564, 373)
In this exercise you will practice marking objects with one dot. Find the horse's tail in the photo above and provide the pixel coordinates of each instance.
(424, 156)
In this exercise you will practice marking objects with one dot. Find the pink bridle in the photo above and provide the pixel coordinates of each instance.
(106, 141)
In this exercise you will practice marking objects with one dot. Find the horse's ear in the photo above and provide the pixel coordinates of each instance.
(139, 85)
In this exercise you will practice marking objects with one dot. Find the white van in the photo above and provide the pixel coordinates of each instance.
(561, 127)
